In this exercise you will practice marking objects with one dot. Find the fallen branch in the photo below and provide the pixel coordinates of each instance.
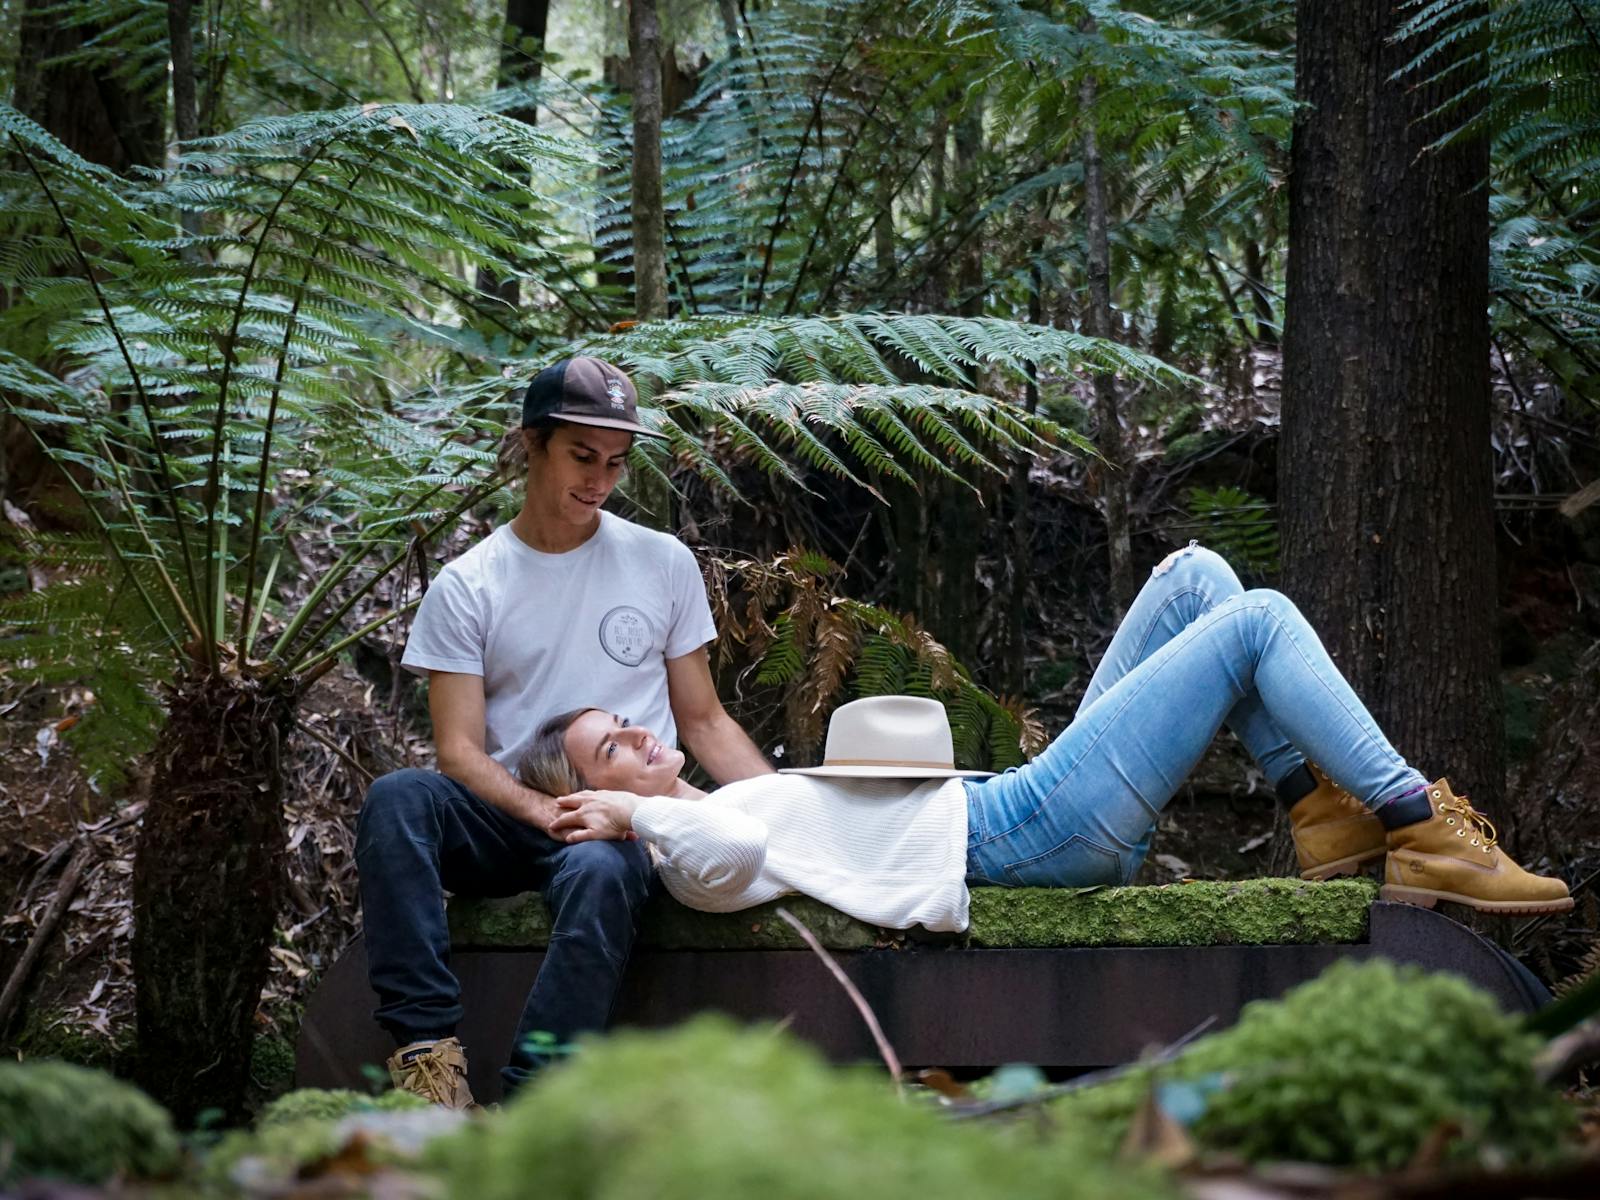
(856, 998)
(70, 878)
(1166, 1054)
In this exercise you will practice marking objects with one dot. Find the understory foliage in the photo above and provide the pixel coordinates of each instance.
(786, 624)
(1359, 1067)
(1526, 74)
(303, 368)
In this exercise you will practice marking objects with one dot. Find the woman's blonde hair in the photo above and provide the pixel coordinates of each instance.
(545, 764)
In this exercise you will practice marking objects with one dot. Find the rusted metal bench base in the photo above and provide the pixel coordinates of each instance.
(1064, 1009)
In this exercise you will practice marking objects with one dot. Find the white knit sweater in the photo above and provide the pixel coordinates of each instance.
(887, 851)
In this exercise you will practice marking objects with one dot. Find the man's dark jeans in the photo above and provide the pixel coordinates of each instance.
(422, 834)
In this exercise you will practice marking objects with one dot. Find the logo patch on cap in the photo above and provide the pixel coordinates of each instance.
(614, 393)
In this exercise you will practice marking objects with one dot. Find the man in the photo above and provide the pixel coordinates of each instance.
(566, 604)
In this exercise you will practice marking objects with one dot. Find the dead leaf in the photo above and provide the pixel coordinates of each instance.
(1153, 1136)
(399, 122)
(1172, 863)
(1255, 843)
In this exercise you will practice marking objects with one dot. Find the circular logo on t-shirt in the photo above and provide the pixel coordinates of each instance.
(625, 635)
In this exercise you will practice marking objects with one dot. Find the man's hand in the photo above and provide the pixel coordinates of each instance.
(593, 816)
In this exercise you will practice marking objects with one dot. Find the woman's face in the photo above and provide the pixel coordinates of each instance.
(610, 753)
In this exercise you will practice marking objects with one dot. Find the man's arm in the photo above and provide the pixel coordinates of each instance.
(712, 736)
(457, 705)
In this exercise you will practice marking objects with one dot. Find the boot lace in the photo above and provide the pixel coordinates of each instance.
(1473, 819)
(435, 1074)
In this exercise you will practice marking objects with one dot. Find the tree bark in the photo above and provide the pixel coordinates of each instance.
(961, 513)
(525, 20)
(89, 107)
(206, 877)
(1385, 475)
(180, 39)
(649, 220)
(1097, 322)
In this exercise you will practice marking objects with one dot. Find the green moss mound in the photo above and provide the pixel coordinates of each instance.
(1357, 1068)
(1246, 912)
(330, 1104)
(711, 1111)
(71, 1122)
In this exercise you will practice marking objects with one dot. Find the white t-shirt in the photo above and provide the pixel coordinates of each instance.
(552, 632)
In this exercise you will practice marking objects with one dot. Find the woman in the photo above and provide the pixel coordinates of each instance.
(896, 845)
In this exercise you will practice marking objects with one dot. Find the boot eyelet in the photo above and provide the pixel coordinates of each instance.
(1474, 841)
(1461, 833)
(1449, 820)
(1488, 849)
(1437, 794)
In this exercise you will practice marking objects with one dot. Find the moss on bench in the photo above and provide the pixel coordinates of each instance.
(1243, 913)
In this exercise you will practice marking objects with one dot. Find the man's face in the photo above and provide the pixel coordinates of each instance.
(612, 754)
(575, 472)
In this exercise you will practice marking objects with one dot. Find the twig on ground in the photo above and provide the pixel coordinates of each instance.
(1575, 1048)
(317, 734)
(70, 878)
(856, 998)
(1043, 1095)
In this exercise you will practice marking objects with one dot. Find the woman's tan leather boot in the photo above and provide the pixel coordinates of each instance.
(1334, 833)
(1452, 856)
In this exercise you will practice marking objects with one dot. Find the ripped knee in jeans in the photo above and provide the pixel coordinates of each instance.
(1167, 563)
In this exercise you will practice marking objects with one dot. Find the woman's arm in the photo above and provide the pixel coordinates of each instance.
(710, 854)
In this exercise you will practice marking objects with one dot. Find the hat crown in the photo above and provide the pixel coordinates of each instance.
(908, 731)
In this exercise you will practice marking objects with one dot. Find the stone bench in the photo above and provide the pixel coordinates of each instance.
(1066, 980)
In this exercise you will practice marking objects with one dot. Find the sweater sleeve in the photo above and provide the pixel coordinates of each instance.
(709, 853)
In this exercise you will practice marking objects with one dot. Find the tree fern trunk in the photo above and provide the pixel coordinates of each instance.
(1384, 465)
(1098, 323)
(649, 221)
(205, 887)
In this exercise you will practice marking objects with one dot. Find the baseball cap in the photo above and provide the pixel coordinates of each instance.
(585, 391)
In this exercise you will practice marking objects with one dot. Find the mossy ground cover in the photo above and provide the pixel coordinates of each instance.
(1356, 1068)
(712, 1111)
(1247, 912)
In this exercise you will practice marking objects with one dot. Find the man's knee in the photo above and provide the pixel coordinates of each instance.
(397, 801)
(603, 873)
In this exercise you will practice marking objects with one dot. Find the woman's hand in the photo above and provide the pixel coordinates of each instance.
(592, 816)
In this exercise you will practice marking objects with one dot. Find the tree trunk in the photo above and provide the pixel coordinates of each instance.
(180, 38)
(205, 887)
(962, 516)
(649, 221)
(1019, 531)
(525, 20)
(1385, 476)
(89, 107)
(1097, 322)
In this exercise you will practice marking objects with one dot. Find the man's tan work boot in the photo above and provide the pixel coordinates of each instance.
(1452, 856)
(1334, 833)
(436, 1071)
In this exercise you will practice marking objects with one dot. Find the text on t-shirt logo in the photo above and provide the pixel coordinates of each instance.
(625, 635)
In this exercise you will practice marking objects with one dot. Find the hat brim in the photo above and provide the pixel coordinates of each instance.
(610, 423)
(885, 773)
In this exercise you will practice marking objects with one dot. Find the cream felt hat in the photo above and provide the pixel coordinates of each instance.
(889, 737)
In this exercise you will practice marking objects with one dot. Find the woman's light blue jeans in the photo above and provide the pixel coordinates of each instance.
(1195, 652)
